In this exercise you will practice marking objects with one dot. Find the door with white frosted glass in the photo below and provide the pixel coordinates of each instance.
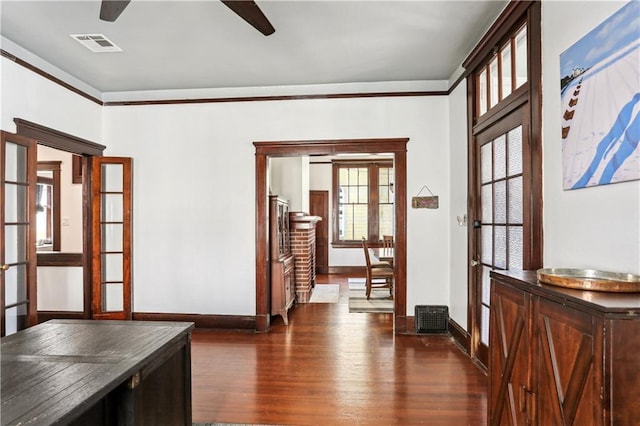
(17, 234)
(111, 251)
(499, 216)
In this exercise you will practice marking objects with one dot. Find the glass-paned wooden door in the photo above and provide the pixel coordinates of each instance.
(18, 302)
(111, 222)
(499, 214)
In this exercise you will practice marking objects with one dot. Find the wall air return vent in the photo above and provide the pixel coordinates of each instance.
(97, 43)
(432, 319)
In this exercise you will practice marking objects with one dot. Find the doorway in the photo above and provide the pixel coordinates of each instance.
(319, 206)
(76, 256)
(105, 256)
(264, 150)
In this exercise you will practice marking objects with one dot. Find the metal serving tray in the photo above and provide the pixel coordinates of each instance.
(590, 279)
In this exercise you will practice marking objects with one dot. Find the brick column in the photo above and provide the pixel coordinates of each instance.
(303, 247)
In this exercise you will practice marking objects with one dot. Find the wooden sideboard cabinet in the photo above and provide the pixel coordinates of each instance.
(283, 293)
(560, 356)
(283, 289)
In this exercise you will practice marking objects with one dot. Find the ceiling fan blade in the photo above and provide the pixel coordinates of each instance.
(111, 9)
(250, 12)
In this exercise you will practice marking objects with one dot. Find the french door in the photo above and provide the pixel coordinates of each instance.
(501, 212)
(108, 214)
(111, 229)
(17, 233)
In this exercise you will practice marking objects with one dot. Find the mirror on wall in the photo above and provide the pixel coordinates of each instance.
(48, 206)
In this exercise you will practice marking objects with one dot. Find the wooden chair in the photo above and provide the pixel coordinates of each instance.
(377, 271)
(387, 241)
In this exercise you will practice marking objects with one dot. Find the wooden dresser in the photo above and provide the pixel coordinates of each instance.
(560, 356)
(283, 293)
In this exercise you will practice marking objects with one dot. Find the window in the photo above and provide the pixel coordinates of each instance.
(505, 72)
(363, 196)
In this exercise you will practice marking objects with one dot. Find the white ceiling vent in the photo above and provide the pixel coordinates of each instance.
(97, 43)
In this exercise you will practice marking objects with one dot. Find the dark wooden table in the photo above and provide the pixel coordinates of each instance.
(84, 372)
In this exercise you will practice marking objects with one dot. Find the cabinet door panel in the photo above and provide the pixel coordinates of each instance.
(509, 387)
(568, 392)
(623, 364)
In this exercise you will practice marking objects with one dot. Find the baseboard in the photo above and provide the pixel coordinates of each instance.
(230, 322)
(347, 270)
(410, 327)
(460, 335)
(44, 316)
(238, 322)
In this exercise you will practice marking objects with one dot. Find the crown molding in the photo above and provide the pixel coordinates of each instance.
(199, 96)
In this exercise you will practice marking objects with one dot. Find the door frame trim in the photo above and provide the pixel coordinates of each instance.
(87, 149)
(56, 139)
(529, 98)
(265, 149)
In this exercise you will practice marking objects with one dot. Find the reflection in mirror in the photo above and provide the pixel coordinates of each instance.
(44, 212)
(48, 206)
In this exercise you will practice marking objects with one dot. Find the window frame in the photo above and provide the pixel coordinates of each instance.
(373, 166)
(484, 110)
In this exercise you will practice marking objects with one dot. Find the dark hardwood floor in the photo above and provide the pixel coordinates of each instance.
(330, 367)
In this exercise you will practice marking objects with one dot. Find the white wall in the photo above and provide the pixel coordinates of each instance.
(194, 227)
(458, 200)
(194, 182)
(596, 227)
(304, 184)
(428, 229)
(60, 288)
(290, 180)
(28, 96)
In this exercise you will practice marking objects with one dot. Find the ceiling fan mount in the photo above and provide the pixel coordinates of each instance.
(248, 10)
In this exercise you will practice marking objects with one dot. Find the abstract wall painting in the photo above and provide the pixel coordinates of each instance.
(600, 95)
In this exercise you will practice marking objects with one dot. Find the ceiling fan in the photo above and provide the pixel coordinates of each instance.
(246, 9)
